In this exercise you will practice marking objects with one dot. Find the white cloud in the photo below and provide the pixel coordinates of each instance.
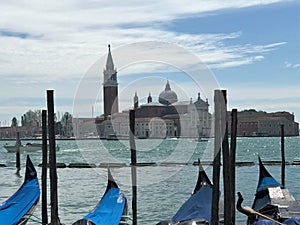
(291, 65)
(259, 58)
(64, 38)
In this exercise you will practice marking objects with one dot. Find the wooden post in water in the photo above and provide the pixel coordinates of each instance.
(133, 166)
(44, 168)
(282, 156)
(217, 156)
(18, 144)
(226, 159)
(52, 159)
(232, 159)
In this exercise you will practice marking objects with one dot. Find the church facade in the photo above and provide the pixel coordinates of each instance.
(167, 118)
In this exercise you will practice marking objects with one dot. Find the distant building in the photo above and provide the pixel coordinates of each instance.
(172, 118)
(166, 118)
(24, 131)
(110, 87)
(253, 123)
(185, 118)
(84, 128)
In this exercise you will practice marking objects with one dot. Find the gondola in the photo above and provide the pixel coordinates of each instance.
(111, 209)
(272, 202)
(197, 209)
(20, 206)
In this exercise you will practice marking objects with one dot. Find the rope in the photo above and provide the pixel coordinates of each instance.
(123, 222)
(32, 217)
(126, 217)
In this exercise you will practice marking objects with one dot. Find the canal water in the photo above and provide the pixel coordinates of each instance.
(162, 187)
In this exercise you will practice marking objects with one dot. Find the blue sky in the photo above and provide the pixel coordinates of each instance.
(252, 48)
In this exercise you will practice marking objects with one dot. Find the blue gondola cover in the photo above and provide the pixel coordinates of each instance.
(197, 206)
(109, 210)
(14, 209)
(265, 179)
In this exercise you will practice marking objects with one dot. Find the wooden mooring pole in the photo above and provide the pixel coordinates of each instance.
(44, 168)
(232, 159)
(133, 166)
(18, 144)
(217, 158)
(282, 156)
(52, 159)
(226, 159)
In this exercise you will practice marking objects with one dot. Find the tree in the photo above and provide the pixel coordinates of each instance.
(58, 128)
(32, 118)
(14, 122)
(66, 124)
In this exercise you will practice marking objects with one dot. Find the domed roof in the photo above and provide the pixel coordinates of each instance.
(167, 96)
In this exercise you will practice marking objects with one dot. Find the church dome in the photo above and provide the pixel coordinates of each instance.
(167, 96)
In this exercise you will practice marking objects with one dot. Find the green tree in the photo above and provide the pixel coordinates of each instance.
(58, 128)
(66, 125)
(14, 122)
(32, 118)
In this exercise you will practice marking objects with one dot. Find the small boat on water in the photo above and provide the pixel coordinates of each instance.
(20, 206)
(112, 137)
(29, 147)
(272, 202)
(202, 139)
(111, 209)
(197, 209)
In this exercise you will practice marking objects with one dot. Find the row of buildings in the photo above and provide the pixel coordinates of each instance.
(166, 118)
(158, 120)
(250, 124)
(253, 123)
(169, 117)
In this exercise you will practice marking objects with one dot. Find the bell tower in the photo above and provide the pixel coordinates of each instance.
(110, 87)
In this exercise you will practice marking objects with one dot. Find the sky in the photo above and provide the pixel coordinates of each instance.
(249, 48)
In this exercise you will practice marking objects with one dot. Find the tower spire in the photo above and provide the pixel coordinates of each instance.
(109, 61)
(110, 73)
(135, 101)
(149, 100)
(110, 87)
(168, 88)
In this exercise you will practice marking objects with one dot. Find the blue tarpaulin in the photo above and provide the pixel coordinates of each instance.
(14, 209)
(109, 210)
(197, 206)
(266, 183)
(265, 179)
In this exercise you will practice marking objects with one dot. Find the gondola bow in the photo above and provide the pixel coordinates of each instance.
(18, 208)
(197, 209)
(111, 209)
(273, 201)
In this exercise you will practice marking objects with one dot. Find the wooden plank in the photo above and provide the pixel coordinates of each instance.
(82, 165)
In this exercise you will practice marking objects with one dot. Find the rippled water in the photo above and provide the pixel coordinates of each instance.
(161, 189)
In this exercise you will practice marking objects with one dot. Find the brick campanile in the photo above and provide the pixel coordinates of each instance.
(110, 87)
